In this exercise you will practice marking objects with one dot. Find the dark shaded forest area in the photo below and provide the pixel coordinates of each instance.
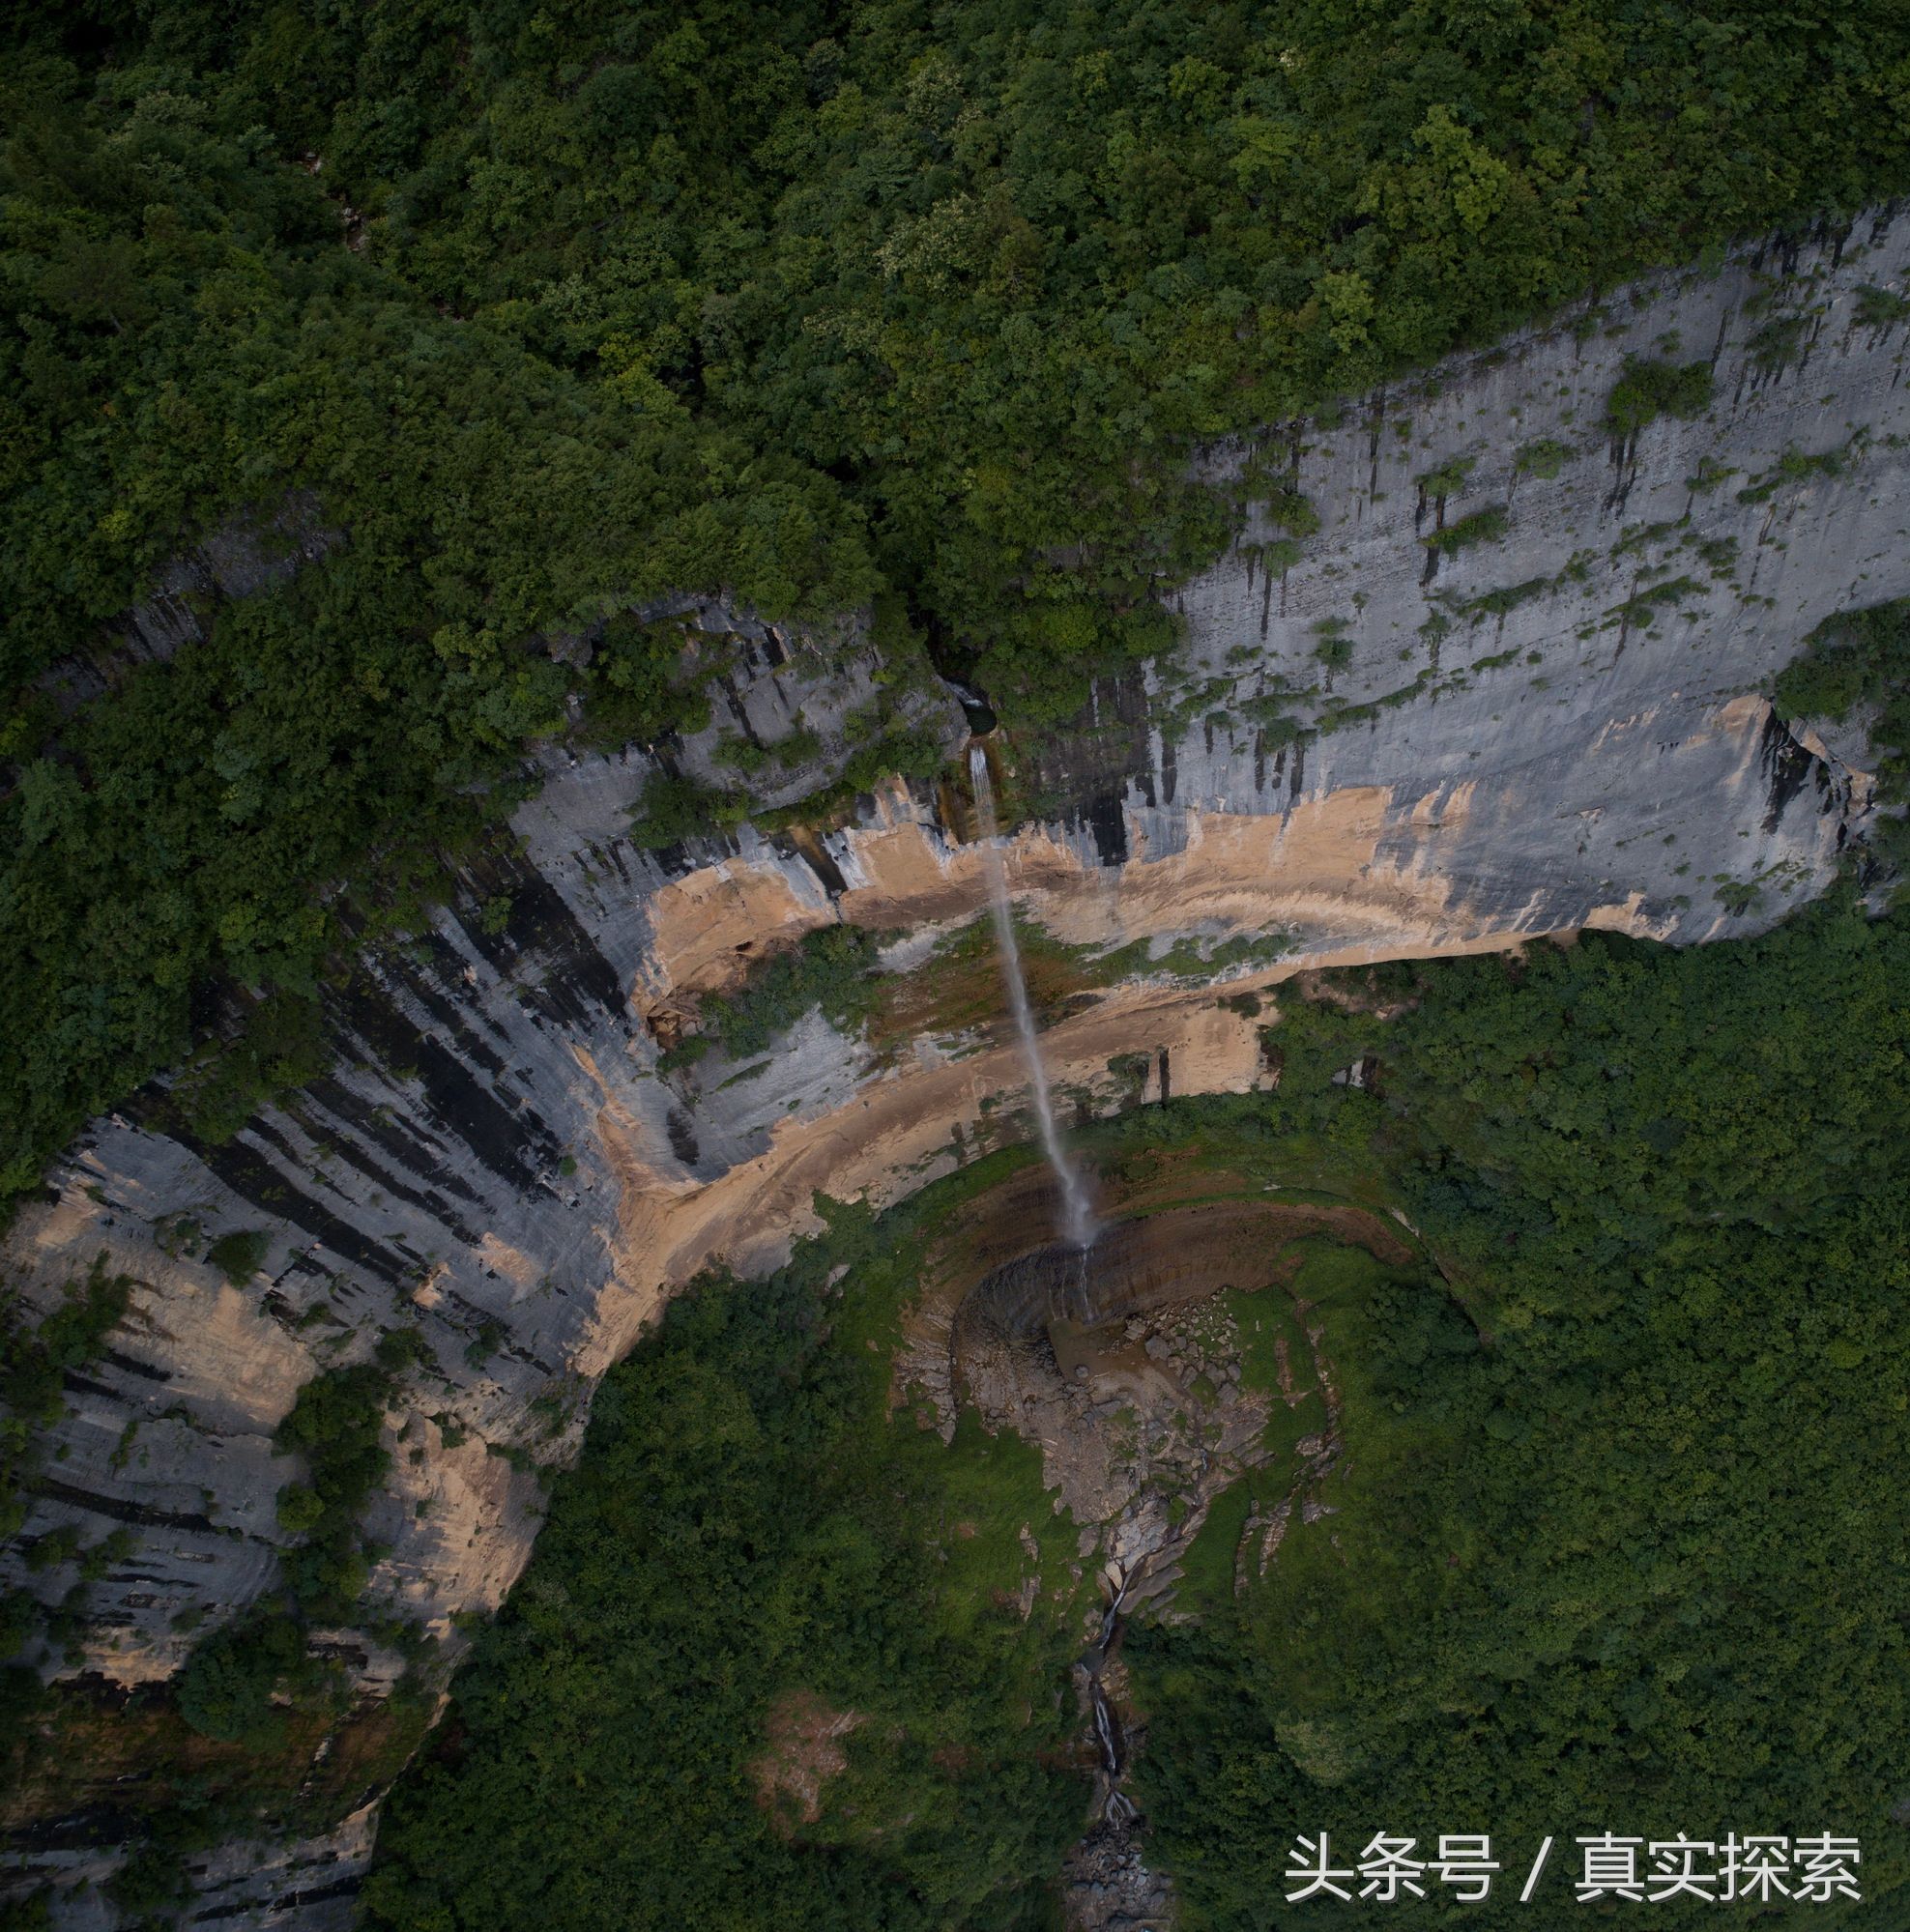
(536, 312)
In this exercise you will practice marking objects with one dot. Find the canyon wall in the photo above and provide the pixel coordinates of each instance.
(1379, 740)
(1559, 721)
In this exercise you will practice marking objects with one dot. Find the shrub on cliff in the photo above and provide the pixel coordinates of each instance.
(336, 1423)
(1650, 388)
(35, 1361)
(1861, 660)
(225, 1692)
(830, 967)
(673, 809)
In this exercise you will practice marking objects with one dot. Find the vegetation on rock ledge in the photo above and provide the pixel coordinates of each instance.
(539, 313)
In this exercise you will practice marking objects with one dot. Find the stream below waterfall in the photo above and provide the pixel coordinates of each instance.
(1107, 1849)
(1108, 1737)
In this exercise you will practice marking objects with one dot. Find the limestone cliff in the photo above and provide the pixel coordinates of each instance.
(1509, 686)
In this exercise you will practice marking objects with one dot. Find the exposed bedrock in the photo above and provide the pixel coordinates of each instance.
(1135, 1268)
(1119, 1364)
(1372, 746)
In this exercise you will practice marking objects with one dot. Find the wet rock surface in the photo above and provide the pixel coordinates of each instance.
(1108, 1886)
(1126, 1366)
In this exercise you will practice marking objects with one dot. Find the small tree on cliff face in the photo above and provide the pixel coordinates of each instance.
(226, 1690)
(34, 1363)
(336, 1422)
(1649, 390)
(1861, 660)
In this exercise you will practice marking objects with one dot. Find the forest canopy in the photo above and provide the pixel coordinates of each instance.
(1613, 1544)
(524, 315)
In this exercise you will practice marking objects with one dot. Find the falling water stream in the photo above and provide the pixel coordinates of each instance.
(1078, 1226)
(1077, 1216)
(1108, 1734)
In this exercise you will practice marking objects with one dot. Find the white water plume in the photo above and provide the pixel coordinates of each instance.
(1077, 1216)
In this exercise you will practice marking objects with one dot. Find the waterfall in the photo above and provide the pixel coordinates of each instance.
(1107, 1729)
(1077, 1216)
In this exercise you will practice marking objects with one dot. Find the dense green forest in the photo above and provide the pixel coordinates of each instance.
(1616, 1544)
(543, 310)
(1623, 1555)
(753, 1550)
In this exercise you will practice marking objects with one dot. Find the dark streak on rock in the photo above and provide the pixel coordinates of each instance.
(1790, 765)
(1106, 824)
(683, 1138)
(426, 1201)
(252, 1178)
(121, 1511)
(77, 1384)
(127, 1366)
(454, 1016)
(577, 980)
(514, 1142)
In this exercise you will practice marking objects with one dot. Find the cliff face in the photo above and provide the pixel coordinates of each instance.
(1558, 720)
(1373, 745)
(244, 555)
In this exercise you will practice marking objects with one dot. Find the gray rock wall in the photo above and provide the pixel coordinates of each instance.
(248, 553)
(804, 702)
(1556, 727)
(1563, 718)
